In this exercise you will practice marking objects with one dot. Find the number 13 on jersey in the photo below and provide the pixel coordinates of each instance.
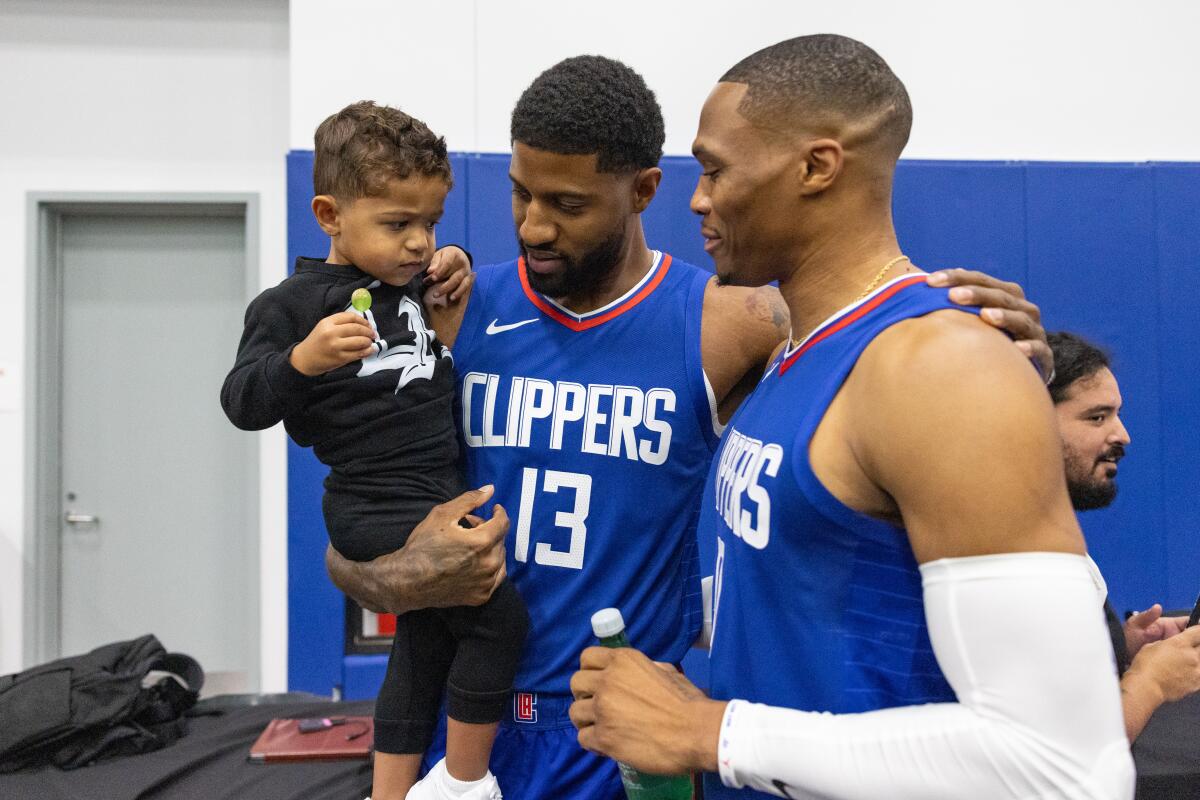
(574, 520)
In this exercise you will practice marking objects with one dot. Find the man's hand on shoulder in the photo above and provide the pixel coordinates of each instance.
(1005, 306)
(443, 563)
(743, 327)
(951, 422)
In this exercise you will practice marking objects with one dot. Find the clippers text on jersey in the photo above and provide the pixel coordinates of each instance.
(602, 419)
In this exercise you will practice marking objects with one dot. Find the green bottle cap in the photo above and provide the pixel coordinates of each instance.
(360, 299)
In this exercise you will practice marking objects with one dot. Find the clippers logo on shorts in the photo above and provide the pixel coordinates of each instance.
(744, 463)
(525, 707)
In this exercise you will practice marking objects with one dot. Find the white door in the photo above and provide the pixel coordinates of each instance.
(159, 530)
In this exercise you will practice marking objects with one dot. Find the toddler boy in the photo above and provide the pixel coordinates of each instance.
(372, 391)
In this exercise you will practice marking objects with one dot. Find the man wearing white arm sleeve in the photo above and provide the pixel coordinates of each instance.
(1023, 727)
(893, 529)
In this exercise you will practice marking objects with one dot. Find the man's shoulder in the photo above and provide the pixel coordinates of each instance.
(951, 420)
(464, 323)
(922, 370)
(687, 266)
(943, 341)
(498, 268)
(757, 317)
(490, 276)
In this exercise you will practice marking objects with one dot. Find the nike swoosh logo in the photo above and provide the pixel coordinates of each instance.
(493, 328)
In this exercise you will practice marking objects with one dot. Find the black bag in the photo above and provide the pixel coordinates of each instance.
(119, 699)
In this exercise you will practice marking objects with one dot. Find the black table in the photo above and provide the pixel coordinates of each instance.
(1167, 753)
(209, 763)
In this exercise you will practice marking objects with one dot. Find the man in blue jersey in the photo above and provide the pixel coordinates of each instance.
(592, 375)
(889, 502)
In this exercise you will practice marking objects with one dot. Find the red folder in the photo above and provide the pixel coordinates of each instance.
(283, 741)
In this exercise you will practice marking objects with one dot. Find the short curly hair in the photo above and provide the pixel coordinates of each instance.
(592, 104)
(363, 146)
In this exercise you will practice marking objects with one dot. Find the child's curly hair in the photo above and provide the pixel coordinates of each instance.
(363, 146)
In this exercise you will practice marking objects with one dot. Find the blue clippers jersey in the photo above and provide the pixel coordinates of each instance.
(818, 607)
(597, 433)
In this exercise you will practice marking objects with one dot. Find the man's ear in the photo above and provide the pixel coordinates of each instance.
(820, 165)
(645, 186)
(325, 209)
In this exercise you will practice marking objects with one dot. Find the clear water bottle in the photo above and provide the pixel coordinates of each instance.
(609, 627)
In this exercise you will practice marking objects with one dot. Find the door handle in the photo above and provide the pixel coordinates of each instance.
(82, 519)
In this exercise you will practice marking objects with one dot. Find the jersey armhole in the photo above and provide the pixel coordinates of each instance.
(704, 400)
(468, 329)
(713, 409)
(819, 496)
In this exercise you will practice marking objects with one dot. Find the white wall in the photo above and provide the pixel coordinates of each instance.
(1018, 79)
(123, 96)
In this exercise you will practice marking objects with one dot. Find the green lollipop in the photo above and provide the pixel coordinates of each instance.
(360, 300)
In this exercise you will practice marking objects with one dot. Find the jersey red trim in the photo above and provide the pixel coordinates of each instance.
(585, 324)
(854, 316)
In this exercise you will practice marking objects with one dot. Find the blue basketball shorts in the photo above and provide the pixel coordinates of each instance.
(537, 755)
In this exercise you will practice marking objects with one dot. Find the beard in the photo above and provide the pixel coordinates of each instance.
(579, 277)
(1088, 492)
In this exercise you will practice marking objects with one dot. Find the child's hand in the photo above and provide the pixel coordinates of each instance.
(335, 341)
(449, 276)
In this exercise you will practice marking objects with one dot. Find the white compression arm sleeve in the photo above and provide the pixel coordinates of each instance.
(1022, 642)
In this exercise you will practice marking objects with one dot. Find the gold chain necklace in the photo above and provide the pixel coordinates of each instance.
(870, 287)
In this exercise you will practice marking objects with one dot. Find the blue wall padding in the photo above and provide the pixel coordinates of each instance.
(670, 226)
(1177, 240)
(489, 211)
(963, 214)
(362, 676)
(1111, 251)
(1093, 269)
(453, 227)
(315, 612)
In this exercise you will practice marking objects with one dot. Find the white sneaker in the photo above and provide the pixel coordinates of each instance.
(486, 789)
(429, 787)
(435, 786)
